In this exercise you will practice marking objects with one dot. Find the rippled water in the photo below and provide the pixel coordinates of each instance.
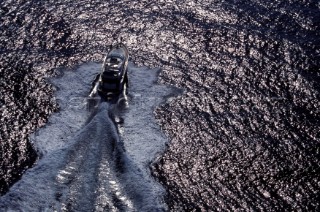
(245, 133)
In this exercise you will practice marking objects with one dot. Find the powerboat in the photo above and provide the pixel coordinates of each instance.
(113, 79)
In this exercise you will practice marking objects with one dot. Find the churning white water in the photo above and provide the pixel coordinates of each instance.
(98, 158)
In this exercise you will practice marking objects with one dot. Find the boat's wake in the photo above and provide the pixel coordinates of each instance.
(97, 160)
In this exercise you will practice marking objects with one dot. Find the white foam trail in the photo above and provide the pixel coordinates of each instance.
(85, 164)
(72, 89)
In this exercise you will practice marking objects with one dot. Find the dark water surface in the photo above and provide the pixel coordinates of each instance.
(245, 133)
